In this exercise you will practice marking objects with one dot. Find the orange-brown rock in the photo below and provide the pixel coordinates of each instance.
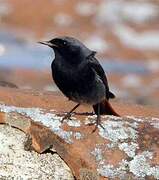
(126, 149)
(54, 100)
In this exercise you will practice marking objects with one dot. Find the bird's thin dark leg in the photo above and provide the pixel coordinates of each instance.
(98, 120)
(68, 115)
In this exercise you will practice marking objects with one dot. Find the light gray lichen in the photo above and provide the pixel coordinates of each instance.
(129, 148)
(113, 172)
(107, 171)
(135, 118)
(90, 119)
(140, 166)
(78, 135)
(114, 118)
(124, 134)
(155, 123)
(155, 119)
(116, 131)
(97, 152)
(73, 122)
(121, 133)
(111, 145)
(66, 135)
(48, 119)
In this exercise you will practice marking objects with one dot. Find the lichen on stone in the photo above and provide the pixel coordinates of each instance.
(50, 120)
(135, 118)
(129, 148)
(140, 166)
(124, 135)
(78, 135)
(97, 153)
(90, 119)
(73, 122)
(155, 123)
(116, 131)
(110, 171)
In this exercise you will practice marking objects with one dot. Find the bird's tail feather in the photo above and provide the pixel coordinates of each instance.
(105, 108)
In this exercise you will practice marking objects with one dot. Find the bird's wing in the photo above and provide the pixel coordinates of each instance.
(93, 62)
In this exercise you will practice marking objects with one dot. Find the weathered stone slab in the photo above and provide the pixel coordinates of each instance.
(17, 163)
(126, 149)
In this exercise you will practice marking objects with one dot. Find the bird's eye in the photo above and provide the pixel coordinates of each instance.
(64, 42)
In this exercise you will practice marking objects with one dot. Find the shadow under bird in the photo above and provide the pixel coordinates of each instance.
(80, 77)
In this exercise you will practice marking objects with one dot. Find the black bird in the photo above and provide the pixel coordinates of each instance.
(80, 77)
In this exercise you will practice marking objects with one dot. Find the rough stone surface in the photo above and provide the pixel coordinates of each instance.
(54, 101)
(127, 147)
(16, 163)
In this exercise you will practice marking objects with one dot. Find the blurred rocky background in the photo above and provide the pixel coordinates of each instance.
(125, 33)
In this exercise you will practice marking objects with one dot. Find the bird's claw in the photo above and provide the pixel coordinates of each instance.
(67, 116)
(96, 126)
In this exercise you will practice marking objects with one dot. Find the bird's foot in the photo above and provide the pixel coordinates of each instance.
(96, 126)
(96, 123)
(67, 116)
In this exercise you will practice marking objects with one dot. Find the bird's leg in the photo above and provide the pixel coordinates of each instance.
(98, 120)
(68, 115)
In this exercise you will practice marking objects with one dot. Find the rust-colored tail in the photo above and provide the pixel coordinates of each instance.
(105, 108)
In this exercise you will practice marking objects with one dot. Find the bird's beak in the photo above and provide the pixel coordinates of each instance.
(47, 43)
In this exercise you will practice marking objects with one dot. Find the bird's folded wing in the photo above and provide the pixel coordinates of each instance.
(93, 62)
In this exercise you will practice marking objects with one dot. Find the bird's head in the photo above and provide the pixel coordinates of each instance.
(69, 48)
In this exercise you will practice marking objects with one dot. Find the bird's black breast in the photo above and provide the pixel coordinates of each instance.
(78, 81)
(70, 78)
